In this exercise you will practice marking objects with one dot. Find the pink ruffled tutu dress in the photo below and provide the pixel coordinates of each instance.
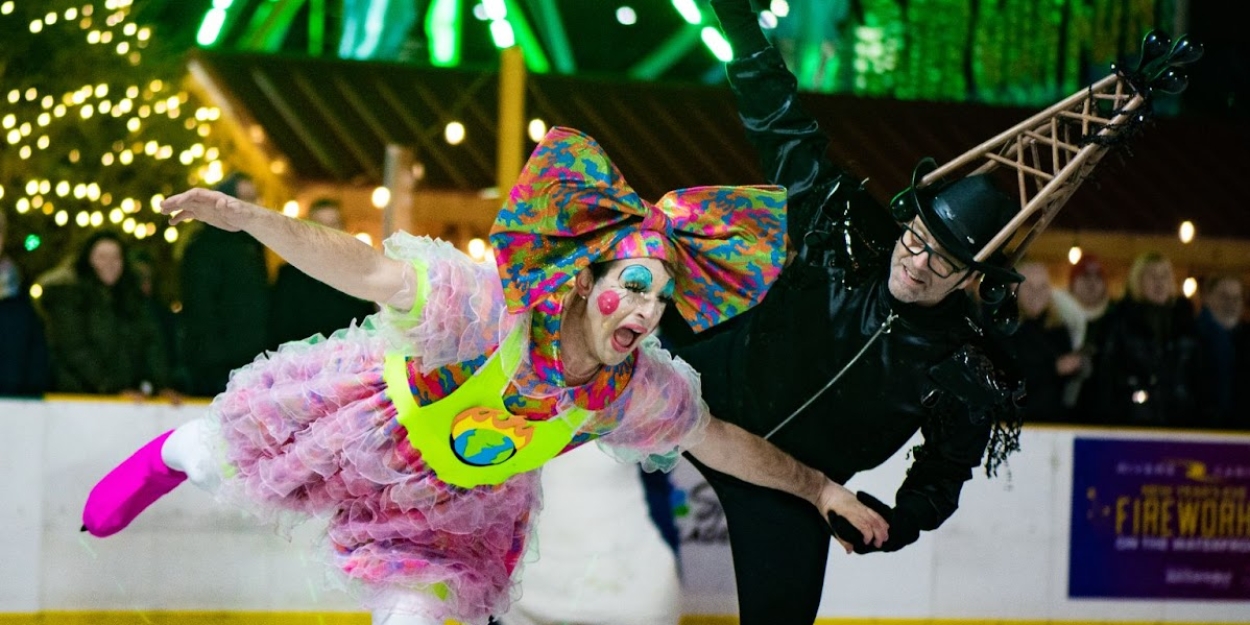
(311, 430)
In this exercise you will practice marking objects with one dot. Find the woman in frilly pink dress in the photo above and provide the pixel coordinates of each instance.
(417, 434)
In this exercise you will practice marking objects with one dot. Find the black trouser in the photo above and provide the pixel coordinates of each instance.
(780, 546)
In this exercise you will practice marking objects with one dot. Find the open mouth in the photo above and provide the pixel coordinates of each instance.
(625, 338)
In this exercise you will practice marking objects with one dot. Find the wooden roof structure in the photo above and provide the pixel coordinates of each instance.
(332, 120)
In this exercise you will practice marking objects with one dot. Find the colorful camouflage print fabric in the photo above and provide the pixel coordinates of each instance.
(571, 207)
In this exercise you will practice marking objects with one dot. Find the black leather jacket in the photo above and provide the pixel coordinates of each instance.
(927, 372)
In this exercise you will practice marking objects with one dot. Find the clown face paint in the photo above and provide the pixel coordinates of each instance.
(626, 305)
(608, 302)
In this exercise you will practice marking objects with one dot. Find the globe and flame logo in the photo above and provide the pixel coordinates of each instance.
(483, 437)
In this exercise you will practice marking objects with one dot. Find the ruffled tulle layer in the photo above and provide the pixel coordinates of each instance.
(309, 432)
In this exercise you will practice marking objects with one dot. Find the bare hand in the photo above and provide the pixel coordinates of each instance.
(1069, 364)
(837, 499)
(134, 395)
(211, 207)
(171, 396)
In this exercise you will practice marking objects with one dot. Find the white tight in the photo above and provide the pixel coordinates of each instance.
(387, 618)
(189, 449)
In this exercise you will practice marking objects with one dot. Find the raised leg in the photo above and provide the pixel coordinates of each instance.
(147, 475)
(129, 489)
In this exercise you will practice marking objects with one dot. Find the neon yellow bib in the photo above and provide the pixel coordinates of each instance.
(468, 437)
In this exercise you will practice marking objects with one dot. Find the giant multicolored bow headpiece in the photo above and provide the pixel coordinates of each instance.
(571, 207)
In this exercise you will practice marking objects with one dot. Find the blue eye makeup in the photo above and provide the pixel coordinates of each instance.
(667, 293)
(637, 278)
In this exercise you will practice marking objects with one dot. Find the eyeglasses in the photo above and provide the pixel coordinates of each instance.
(940, 264)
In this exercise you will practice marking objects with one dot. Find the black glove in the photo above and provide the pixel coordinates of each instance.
(741, 26)
(903, 529)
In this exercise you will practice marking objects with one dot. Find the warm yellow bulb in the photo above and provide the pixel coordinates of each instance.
(454, 133)
(477, 249)
(171, 234)
(1189, 287)
(1074, 254)
(1186, 232)
(537, 130)
(381, 197)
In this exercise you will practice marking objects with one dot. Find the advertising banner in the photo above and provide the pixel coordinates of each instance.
(1159, 519)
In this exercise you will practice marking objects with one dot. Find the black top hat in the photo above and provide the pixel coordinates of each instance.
(963, 216)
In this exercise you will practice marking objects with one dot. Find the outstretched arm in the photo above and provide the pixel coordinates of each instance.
(737, 452)
(331, 256)
(790, 144)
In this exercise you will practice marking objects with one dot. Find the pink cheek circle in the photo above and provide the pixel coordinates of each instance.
(608, 302)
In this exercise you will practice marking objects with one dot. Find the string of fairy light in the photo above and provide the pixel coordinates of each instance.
(36, 116)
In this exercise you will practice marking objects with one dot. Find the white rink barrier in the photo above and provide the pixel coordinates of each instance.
(1004, 556)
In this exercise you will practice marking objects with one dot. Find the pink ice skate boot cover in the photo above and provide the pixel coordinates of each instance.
(129, 489)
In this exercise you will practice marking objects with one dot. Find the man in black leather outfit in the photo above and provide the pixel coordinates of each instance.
(876, 297)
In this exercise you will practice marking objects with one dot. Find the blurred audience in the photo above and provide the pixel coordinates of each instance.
(225, 299)
(1045, 344)
(1087, 289)
(303, 306)
(103, 339)
(147, 277)
(1145, 372)
(23, 350)
(1225, 349)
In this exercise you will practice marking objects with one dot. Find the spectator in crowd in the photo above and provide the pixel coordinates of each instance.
(1146, 372)
(145, 271)
(303, 306)
(1224, 338)
(23, 349)
(1044, 344)
(103, 339)
(1087, 290)
(225, 299)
